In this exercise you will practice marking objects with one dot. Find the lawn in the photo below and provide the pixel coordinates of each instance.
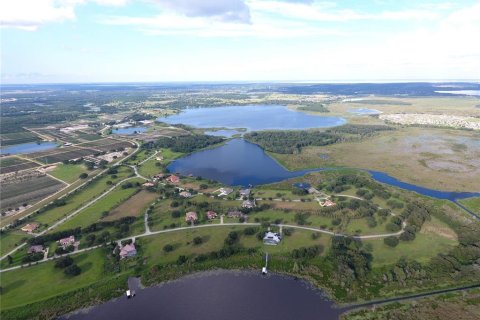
(134, 206)
(10, 239)
(22, 286)
(472, 204)
(68, 172)
(422, 249)
(94, 212)
(81, 197)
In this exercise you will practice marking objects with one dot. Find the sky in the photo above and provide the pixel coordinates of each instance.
(53, 41)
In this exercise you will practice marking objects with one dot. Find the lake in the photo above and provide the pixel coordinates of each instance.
(239, 162)
(129, 130)
(236, 163)
(254, 117)
(28, 147)
(232, 295)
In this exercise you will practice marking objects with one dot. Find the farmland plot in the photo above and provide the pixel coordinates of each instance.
(8, 139)
(59, 155)
(28, 190)
(12, 164)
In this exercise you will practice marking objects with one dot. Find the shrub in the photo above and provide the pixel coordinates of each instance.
(63, 262)
(72, 270)
(83, 175)
(197, 240)
(168, 248)
(391, 241)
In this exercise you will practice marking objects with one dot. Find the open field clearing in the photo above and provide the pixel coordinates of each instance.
(11, 240)
(441, 159)
(472, 204)
(460, 106)
(68, 172)
(80, 197)
(8, 139)
(94, 212)
(13, 163)
(107, 144)
(28, 190)
(135, 206)
(21, 287)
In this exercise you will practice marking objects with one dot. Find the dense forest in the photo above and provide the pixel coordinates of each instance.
(184, 144)
(289, 142)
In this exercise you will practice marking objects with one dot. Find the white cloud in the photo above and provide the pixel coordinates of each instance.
(30, 14)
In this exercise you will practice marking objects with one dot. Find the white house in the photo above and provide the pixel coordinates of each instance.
(272, 238)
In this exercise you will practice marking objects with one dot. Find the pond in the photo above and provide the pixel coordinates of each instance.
(238, 162)
(28, 147)
(256, 117)
(221, 295)
(129, 130)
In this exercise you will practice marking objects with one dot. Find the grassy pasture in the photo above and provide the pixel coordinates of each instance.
(68, 172)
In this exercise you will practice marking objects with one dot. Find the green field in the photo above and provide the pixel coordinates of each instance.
(94, 212)
(150, 167)
(472, 204)
(21, 286)
(68, 172)
(79, 198)
(10, 240)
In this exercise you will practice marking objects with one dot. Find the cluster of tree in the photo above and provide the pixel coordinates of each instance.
(289, 142)
(315, 107)
(68, 266)
(307, 253)
(138, 116)
(32, 257)
(351, 260)
(342, 183)
(55, 236)
(185, 144)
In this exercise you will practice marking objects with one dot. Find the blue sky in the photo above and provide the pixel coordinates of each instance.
(238, 40)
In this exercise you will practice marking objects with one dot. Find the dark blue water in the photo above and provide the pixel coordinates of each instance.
(28, 147)
(448, 195)
(235, 163)
(257, 117)
(240, 162)
(129, 130)
(223, 133)
(220, 296)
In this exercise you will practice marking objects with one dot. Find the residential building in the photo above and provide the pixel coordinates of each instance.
(225, 192)
(248, 204)
(272, 238)
(191, 216)
(185, 194)
(327, 203)
(245, 192)
(29, 227)
(173, 179)
(36, 249)
(236, 214)
(67, 242)
(211, 215)
(148, 184)
(127, 251)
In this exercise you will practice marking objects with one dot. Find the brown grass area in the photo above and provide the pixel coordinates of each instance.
(445, 232)
(440, 159)
(135, 206)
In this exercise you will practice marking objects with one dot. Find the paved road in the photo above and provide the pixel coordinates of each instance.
(88, 204)
(151, 233)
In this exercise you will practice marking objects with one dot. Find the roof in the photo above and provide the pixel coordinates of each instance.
(29, 227)
(67, 240)
(35, 249)
(128, 249)
(192, 215)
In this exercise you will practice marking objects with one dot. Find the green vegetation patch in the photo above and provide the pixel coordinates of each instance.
(68, 172)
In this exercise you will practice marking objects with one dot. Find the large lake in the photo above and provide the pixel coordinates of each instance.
(220, 295)
(239, 162)
(28, 147)
(257, 117)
